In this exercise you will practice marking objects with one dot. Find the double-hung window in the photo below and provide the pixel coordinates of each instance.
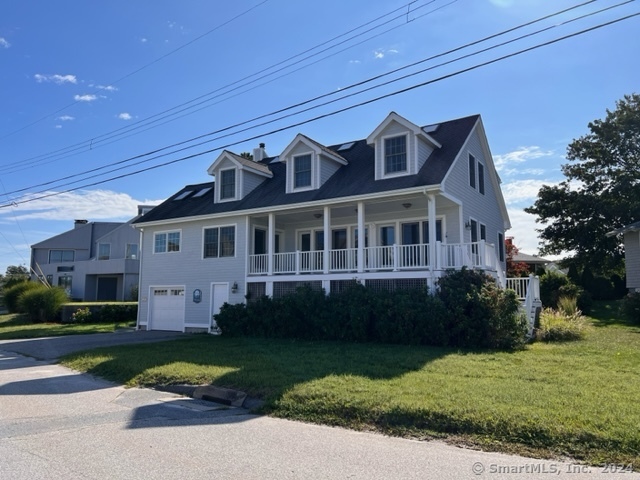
(219, 242)
(166, 242)
(104, 251)
(395, 154)
(472, 171)
(302, 171)
(228, 184)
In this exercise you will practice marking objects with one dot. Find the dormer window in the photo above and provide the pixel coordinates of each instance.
(302, 171)
(228, 184)
(395, 154)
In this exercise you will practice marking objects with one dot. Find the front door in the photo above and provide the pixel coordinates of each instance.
(219, 296)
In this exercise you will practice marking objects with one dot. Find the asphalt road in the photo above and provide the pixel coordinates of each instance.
(58, 424)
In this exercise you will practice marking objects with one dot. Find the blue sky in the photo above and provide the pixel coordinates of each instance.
(77, 79)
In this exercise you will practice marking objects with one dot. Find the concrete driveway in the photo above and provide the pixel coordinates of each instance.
(58, 424)
(50, 348)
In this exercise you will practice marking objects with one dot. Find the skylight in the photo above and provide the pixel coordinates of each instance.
(431, 128)
(202, 192)
(184, 195)
(346, 146)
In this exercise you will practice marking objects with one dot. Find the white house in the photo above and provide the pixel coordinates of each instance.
(393, 210)
(631, 238)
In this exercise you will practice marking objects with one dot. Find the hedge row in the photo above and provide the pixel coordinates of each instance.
(468, 310)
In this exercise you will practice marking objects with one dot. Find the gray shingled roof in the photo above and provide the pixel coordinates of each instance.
(627, 228)
(250, 163)
(356, 178)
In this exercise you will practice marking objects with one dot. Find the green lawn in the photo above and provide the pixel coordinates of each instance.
(579, 399)
(13, 326)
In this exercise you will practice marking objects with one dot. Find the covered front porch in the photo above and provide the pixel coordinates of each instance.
(421, 232)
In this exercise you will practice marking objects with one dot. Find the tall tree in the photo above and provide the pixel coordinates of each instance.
(601, 191)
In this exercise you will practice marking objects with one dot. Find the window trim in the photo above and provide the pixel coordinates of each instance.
(294, 160)
(218, 227)
(221, 198)
(99, 257)
(61, 258)
(471, 171)
(383, 156)
(167, 232)
(292, 171)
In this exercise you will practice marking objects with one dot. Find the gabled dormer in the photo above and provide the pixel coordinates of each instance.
(309, 164)
(236, 176)
(401, 147)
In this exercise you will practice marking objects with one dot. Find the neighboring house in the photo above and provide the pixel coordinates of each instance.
(631, 253)
(534, 263)
(93, 261)
(393, 210)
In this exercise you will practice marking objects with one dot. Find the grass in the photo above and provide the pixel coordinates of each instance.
(14, 326)
(577, 399)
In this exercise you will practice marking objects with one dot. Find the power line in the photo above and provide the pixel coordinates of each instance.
(153, 62)
(324, 96)
(95, 142)
(335, 112)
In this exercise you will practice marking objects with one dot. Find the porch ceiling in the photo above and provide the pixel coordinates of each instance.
(417, 204)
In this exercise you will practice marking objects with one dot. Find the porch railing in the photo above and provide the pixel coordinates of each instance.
(519, 285)
(392, 257)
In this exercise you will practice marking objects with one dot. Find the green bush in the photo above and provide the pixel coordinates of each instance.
(631, 307)
(114, 313)
(602, 289)
(43, 304)
(469, 310)
(568, 305)
(554, 285)
(82, 315)
(12, 295)
(559, 327)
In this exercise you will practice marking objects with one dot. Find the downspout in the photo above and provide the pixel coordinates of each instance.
(140, 278)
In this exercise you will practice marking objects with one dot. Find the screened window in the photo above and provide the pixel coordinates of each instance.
(131, 251)
(58, 256)
(481, 178)
(227, 184)
(472, 171)
(104, 251)
(395, 154)
(166, 242)
(219, 242)
(302, 171)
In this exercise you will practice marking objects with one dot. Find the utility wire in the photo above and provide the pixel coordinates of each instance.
(153, 62)
(323, 96)
(335, 112)
(95, 142)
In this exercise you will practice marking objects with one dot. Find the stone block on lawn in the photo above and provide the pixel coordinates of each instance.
(226, 396)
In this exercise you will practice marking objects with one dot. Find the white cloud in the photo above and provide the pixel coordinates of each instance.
(58, 126)
(4, 43)
(523, 230)
(125, 116)
(523, 190)
(355, 61)
(89, 204)
(55, 78)
(85, 98)
(144, 40)
(522, 154)
(502, 3)
(108, 88)
(381, 52)
(378, 54)
(66, 118)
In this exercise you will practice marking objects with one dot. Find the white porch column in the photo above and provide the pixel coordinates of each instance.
(361, 237)
(270, 245)
(327, 239)
(431, 216)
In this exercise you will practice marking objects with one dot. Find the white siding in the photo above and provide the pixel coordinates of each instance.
(632, 258)
(483, 208)
(327, 168)
(188, 268)
(424, 150)
(250, 182)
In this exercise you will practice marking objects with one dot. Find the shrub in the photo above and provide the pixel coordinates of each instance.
(602, 289)
(568, 305)
(12, 295)
(554, 285)
(113, 313)
(133, 293)
(43, 304)
(559, 327)
(631, 307)
(483, 314)
(82, 315)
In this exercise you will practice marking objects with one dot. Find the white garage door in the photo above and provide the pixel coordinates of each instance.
(167, 308)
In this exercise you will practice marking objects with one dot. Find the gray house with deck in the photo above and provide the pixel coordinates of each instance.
(394, 210)
(93, 261)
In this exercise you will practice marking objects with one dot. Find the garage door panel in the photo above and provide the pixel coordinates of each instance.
(167, 309)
